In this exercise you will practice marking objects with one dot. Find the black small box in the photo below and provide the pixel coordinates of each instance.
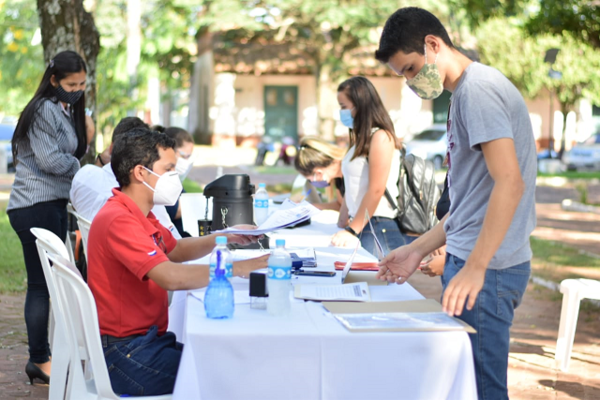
(258, 283)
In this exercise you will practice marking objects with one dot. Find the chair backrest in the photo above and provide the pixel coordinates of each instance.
(82, 323)
(84, 228)
(193, 208)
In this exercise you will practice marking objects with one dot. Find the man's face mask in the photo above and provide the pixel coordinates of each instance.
(167, 189)
(427, 84)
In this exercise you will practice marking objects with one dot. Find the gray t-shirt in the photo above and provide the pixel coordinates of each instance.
(486, 106)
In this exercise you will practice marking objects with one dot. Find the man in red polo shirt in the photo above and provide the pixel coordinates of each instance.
(134, 260)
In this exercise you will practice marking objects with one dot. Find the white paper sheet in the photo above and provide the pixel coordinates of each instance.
(281, 218)
(349, 292)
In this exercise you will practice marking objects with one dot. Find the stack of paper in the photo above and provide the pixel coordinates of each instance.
(289, 214)
(349, 292)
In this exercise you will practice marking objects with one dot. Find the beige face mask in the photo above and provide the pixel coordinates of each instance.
(427, 84)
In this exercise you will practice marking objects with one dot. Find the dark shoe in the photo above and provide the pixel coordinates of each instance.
(33, 371)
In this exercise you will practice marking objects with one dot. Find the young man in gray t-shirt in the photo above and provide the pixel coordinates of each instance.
(491, 177)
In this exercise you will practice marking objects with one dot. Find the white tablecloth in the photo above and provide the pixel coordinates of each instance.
(309, 355)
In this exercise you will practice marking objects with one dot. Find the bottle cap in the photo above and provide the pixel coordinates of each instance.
(280, 242)
(262, 185)
(221, 240)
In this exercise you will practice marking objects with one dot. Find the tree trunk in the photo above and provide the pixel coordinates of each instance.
(325, 101)
(201, 89)
(66, 25)
(564, 108)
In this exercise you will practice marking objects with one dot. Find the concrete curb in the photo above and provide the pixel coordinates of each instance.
(556, 287)
(571, 205)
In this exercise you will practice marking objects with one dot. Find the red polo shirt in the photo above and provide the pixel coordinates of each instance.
(123, 246)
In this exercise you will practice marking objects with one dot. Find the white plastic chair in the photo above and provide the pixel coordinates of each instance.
(193, 208)
(573, 290)
(82, 323)
(48, 243)
(84, 228)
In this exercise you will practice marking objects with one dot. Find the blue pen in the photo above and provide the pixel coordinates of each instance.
(305, 195)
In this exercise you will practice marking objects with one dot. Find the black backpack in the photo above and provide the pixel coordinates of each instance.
(418, 194)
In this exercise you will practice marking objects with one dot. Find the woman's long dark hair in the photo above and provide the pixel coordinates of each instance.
(370, 113)
(62, 65)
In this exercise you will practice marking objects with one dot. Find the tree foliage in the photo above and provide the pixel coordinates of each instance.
(21, 54)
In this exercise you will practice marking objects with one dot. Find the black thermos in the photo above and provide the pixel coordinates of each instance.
(232, 200)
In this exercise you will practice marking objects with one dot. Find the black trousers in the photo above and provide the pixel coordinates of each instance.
(51, 215)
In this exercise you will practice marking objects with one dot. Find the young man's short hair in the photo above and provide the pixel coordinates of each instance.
(127, 124)
(405, 31)
(138, 146)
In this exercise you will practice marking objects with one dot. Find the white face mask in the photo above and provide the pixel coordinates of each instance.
(183, 167)
(168, 188)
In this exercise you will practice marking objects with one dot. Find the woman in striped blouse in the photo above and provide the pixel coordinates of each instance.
(48, 142)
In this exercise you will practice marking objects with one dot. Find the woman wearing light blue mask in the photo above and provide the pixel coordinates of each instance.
(371, 165)
(321, 162)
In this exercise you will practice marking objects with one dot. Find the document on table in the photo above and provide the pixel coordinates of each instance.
(290, 214)
(400, 322)
(350, 292)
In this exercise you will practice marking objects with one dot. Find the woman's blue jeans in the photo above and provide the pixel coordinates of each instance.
(389, 235)
(492, 318)
(144, 366)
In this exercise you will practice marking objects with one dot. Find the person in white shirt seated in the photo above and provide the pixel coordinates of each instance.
(92, 185)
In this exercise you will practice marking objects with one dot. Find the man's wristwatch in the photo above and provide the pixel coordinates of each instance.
(352, 231)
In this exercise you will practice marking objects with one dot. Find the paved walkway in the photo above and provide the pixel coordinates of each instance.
(533, 336)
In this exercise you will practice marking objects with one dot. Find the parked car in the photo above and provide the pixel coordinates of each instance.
(430, 144)
(584, 155)
(6, 134)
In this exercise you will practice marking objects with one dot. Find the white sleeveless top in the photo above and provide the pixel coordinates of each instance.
(356, 180)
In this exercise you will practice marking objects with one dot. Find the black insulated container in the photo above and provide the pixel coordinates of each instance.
(232, 196)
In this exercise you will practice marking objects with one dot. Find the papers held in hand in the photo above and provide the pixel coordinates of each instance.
(349, 292)
(289, 214)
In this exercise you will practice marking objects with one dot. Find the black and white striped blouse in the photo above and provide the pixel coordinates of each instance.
(46, 164)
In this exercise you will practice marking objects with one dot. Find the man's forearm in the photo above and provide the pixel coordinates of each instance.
(432, 239)
(504, 200)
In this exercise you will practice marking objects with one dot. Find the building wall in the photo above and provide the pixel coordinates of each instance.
(238, 109)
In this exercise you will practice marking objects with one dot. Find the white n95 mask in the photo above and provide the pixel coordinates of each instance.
(167, 189)
(183, 167)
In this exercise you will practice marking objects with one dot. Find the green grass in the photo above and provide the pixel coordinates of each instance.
(555, 261)
(191, 186)
(279, 188)
(275, 170)
(572, 175)
(12, 267)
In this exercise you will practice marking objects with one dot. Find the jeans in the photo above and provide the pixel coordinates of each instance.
(50, 215)
(492, 318)
(389, 235)
(144, 366)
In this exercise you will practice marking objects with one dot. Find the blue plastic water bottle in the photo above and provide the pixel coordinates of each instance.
(227, 258)
(218, 299)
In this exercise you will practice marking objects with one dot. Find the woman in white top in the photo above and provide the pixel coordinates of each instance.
(371, 165)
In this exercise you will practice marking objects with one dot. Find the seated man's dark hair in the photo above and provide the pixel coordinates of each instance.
(179, 134)
(405, 31)
(138, 146)
(127, 124)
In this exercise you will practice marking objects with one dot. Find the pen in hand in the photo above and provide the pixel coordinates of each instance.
(305, 195)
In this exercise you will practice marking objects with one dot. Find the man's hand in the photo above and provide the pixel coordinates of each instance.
(243, 268)
(399, 265)
(344, 239)
(243, 239)
(467, 283)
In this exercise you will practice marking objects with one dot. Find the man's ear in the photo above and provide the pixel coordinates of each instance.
(137, 174)
(434, 42)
